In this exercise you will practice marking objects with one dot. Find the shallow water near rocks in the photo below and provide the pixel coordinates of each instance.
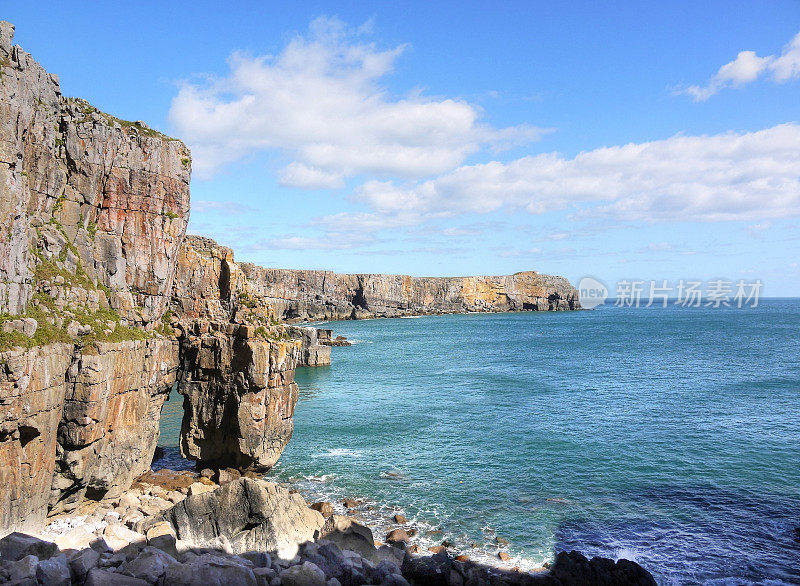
(667, 436)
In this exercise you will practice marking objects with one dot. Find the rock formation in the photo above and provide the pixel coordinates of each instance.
(251, 515)
(314, 295)
(93, 214)
(106, 305)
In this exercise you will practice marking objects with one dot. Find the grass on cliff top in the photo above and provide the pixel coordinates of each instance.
(87, 109)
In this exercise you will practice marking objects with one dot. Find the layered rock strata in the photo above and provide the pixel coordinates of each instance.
(106, 305)
(323, 295)
(93, 214)
(93, 211)
(101, 194)
(237, 363)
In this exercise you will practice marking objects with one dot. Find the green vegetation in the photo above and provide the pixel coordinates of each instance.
(169, 214)
(186, 162)
(246, 301)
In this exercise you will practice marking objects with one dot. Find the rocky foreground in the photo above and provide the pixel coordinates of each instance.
(178, 528)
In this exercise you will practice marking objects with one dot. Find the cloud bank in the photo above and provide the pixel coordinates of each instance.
(320, 103)
(748, 67)
(730, 176)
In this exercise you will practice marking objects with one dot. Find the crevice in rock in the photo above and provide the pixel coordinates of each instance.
(27, 434)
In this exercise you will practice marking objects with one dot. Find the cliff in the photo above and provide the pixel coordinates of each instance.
(106, 305)
(312, 295)
(93, 214)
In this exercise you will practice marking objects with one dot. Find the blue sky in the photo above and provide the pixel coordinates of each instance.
(642, 140)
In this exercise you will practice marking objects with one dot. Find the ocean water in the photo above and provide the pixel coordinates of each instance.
(670, 436)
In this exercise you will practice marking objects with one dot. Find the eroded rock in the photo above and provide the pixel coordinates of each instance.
(254, 515)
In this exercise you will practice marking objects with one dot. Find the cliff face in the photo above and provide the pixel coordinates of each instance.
(237, 363)
(93, 211)
(87, 189)
(105, 305)
(311, 295)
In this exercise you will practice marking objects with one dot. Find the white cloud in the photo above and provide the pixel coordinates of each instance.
(224, 207)
(319, 102)
(747, 67)
(331, 241)
(730, 176)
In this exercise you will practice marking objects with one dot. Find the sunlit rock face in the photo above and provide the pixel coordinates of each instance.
(311, 295)
(93, 211)
(237, 363)
(114, 193)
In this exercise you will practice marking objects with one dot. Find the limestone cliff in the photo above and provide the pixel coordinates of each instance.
(312, 295)
(106, 305)
(93, 211)
(93, 214)
(237, 363)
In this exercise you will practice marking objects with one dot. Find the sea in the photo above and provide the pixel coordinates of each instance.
(665, 435)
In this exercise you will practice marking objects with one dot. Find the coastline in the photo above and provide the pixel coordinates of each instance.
(137, 539)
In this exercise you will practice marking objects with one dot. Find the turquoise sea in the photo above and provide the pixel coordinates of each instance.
(670, 436)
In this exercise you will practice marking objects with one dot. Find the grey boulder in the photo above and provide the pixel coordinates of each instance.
(16, 546)
(210, 570)
(254, 515)
(305, 574)
(149, 565)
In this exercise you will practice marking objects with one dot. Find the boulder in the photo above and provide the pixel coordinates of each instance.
(101, 577)
(23, 570)
(305, 574)
(383, 570)
(254, 515)
(16, 546)
(210, 569)
(574, 568)
(398, 518)
(54, 572)
(397, 536)
(259, 559)
(265, 575)
(323, 507)
(150, 565)
(226, 475)
(129, 501)
(351, 535)
(118, 536)
(435, 570)
(82, 562)
(200, 488)
(503, 556)
(76, 538)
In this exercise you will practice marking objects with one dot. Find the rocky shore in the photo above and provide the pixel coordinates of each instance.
(106, 305)
(184, 528)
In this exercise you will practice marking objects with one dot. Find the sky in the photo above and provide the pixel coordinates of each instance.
(641, 140)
